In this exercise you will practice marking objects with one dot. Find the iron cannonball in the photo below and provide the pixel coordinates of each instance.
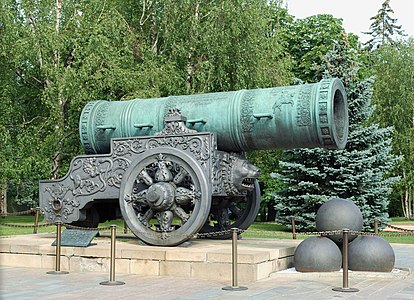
(370, 253)
(317, 254)
(337, 214)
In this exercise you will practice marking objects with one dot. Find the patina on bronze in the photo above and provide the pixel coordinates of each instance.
(173, 167)
(302, 116)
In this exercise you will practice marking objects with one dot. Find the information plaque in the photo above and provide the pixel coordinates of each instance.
(76, 238)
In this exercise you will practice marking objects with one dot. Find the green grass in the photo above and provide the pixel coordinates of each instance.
(25, 221)
(397, 238)
(270, 230)
(256, 230)
(402, 221)
(29, 221)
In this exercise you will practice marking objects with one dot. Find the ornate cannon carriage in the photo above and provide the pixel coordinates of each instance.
(173, 167)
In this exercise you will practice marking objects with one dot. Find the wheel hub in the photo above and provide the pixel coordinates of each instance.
(160, 196)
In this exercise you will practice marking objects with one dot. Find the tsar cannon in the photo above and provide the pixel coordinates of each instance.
(173, 167)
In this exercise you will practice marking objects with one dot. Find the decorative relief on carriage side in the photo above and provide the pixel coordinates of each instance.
(89, 175)
(60, 204)
(216, 180)
(233, 174)
(127, 147)
(175, 128)
(198, 146)
(174, 124)
(120, 165)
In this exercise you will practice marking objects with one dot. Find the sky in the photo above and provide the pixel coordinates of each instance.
(356, 14)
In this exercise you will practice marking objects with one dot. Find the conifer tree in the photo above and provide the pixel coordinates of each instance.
(383, 28)
(314, 176)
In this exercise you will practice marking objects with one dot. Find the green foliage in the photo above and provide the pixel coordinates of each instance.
(384, 28)
(268, 162)
(393, 97)
(359, 172)
(51, 66)
(56, 56)
(211, 45)
(310, 39)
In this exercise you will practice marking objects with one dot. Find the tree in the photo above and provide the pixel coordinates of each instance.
(358, 172)
(214, 46)
(310, 39)
(55, 57)
(394, 99)
(383, 28)
(211, 45)
(268, 162)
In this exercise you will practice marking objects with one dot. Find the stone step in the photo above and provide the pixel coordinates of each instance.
(197, 258)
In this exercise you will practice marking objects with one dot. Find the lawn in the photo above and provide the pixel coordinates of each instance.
(256, 230)
(402, 221)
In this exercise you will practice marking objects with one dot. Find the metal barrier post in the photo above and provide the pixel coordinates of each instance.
(36, 223)
(345, 287)
(293, 228)
(234, 286)
(57, 270)
(112, 280)
(376, 227)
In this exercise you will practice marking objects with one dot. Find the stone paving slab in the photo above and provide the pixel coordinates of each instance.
(33, 283)
(30, 283)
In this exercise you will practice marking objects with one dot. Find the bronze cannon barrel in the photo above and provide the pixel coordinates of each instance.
(300, 116)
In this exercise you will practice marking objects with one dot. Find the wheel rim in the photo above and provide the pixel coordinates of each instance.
(165, 197)
(239, 214)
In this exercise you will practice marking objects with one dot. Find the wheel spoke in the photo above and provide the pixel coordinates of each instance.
(233, 212)
(236, 211)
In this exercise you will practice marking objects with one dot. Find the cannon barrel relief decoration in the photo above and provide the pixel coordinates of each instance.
(173, 167)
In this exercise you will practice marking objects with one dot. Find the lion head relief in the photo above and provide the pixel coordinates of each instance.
(237, 173)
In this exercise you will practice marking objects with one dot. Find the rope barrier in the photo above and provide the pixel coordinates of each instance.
(68, 226)
(222, 232)
(375, 233)
(20, 213)
(26, 226)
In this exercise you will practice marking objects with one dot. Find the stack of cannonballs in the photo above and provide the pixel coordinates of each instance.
(323, 254)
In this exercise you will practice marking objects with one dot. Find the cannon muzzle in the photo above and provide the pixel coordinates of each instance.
(301, 116)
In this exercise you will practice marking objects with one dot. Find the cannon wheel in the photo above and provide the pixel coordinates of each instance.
(165, 197)
(238, 214)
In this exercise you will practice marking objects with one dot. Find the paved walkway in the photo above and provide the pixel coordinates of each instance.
(402, 226)
(26, 283)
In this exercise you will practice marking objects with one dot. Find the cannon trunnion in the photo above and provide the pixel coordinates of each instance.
(188, 176)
